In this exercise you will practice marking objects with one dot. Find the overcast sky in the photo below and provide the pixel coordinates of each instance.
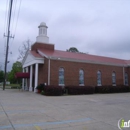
(98, 27)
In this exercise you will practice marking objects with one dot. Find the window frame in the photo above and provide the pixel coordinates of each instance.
(125, 79)
(99, 78)
(61, 76)
(113, 78)
(81, 77)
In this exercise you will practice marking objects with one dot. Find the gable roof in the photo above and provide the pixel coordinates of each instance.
(35, 54)
(82, 57)
(31, 58)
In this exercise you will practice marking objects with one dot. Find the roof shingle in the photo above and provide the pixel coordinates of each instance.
(84, 57)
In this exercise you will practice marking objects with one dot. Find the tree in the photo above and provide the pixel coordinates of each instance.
(73, 49)
(1, 76)
(23, 49)
(17, 67)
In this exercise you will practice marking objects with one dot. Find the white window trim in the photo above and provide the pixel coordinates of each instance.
(83, 77)
(99, 84)
(113, 76)
(127, 80)
(99, 72)
(113, 84)
(62, 85)
(81, 85)
(64, 76)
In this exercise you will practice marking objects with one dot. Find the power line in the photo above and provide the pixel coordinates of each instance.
(16, 19)
(17, 16)
(13, 13)
(5, 21)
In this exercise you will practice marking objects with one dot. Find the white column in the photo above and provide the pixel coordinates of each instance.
(26, 79)
(23, 86)
(36, 77)
(30, 87)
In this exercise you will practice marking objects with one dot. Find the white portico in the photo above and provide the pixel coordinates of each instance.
(30, 65)
(32, 60)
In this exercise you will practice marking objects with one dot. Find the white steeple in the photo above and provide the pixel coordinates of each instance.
(42, 37)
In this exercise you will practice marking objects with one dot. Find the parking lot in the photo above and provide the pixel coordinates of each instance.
(23, 110)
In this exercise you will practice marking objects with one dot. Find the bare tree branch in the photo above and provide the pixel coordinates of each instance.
(26, 45)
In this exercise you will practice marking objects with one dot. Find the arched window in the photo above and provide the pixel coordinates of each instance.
(61, 76)
(126, 79)
(114, 78)
(81, 77)
(99, 82)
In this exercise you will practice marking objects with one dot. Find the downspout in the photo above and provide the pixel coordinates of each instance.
(49, 71)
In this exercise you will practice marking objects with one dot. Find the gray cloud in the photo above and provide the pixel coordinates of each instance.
(96, 27)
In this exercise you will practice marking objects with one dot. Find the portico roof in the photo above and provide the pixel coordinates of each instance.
(32, 57)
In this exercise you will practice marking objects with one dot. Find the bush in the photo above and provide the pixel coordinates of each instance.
(78, 90)
(111, 89)
(42, 93)
(53, 90)
(16, 87)
(40, 87)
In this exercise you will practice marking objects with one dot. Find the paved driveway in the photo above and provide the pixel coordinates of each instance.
(29, 111)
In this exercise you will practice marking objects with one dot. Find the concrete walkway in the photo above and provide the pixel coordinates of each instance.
(22, 110)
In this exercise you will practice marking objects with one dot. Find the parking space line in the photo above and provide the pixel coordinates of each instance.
(37, 127)
(21, 111)
(45, 123)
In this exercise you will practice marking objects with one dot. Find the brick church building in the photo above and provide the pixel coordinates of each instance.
(44, 64)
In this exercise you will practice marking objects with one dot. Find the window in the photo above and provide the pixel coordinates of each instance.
(99, 83)
(81, 77)
(113, 78)
(61, 76)
(126, 79)
(40, 31)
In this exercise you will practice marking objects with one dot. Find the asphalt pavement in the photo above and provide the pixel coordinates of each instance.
(23, 110)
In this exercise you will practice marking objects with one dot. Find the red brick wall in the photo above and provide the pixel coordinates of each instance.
(128, 70)
(36, 45)
(43, 72)
(90, 73)
(72, 73)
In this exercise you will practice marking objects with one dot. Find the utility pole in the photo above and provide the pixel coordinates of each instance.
(7, 47)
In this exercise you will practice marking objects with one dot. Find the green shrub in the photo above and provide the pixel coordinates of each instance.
(42, 93)
(15, 87)
(78, 90)
(40, 87)
(111, 89)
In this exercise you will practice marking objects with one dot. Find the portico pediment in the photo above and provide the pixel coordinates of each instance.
(29, 59)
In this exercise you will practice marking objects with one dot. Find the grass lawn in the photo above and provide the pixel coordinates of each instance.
(11, 86)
